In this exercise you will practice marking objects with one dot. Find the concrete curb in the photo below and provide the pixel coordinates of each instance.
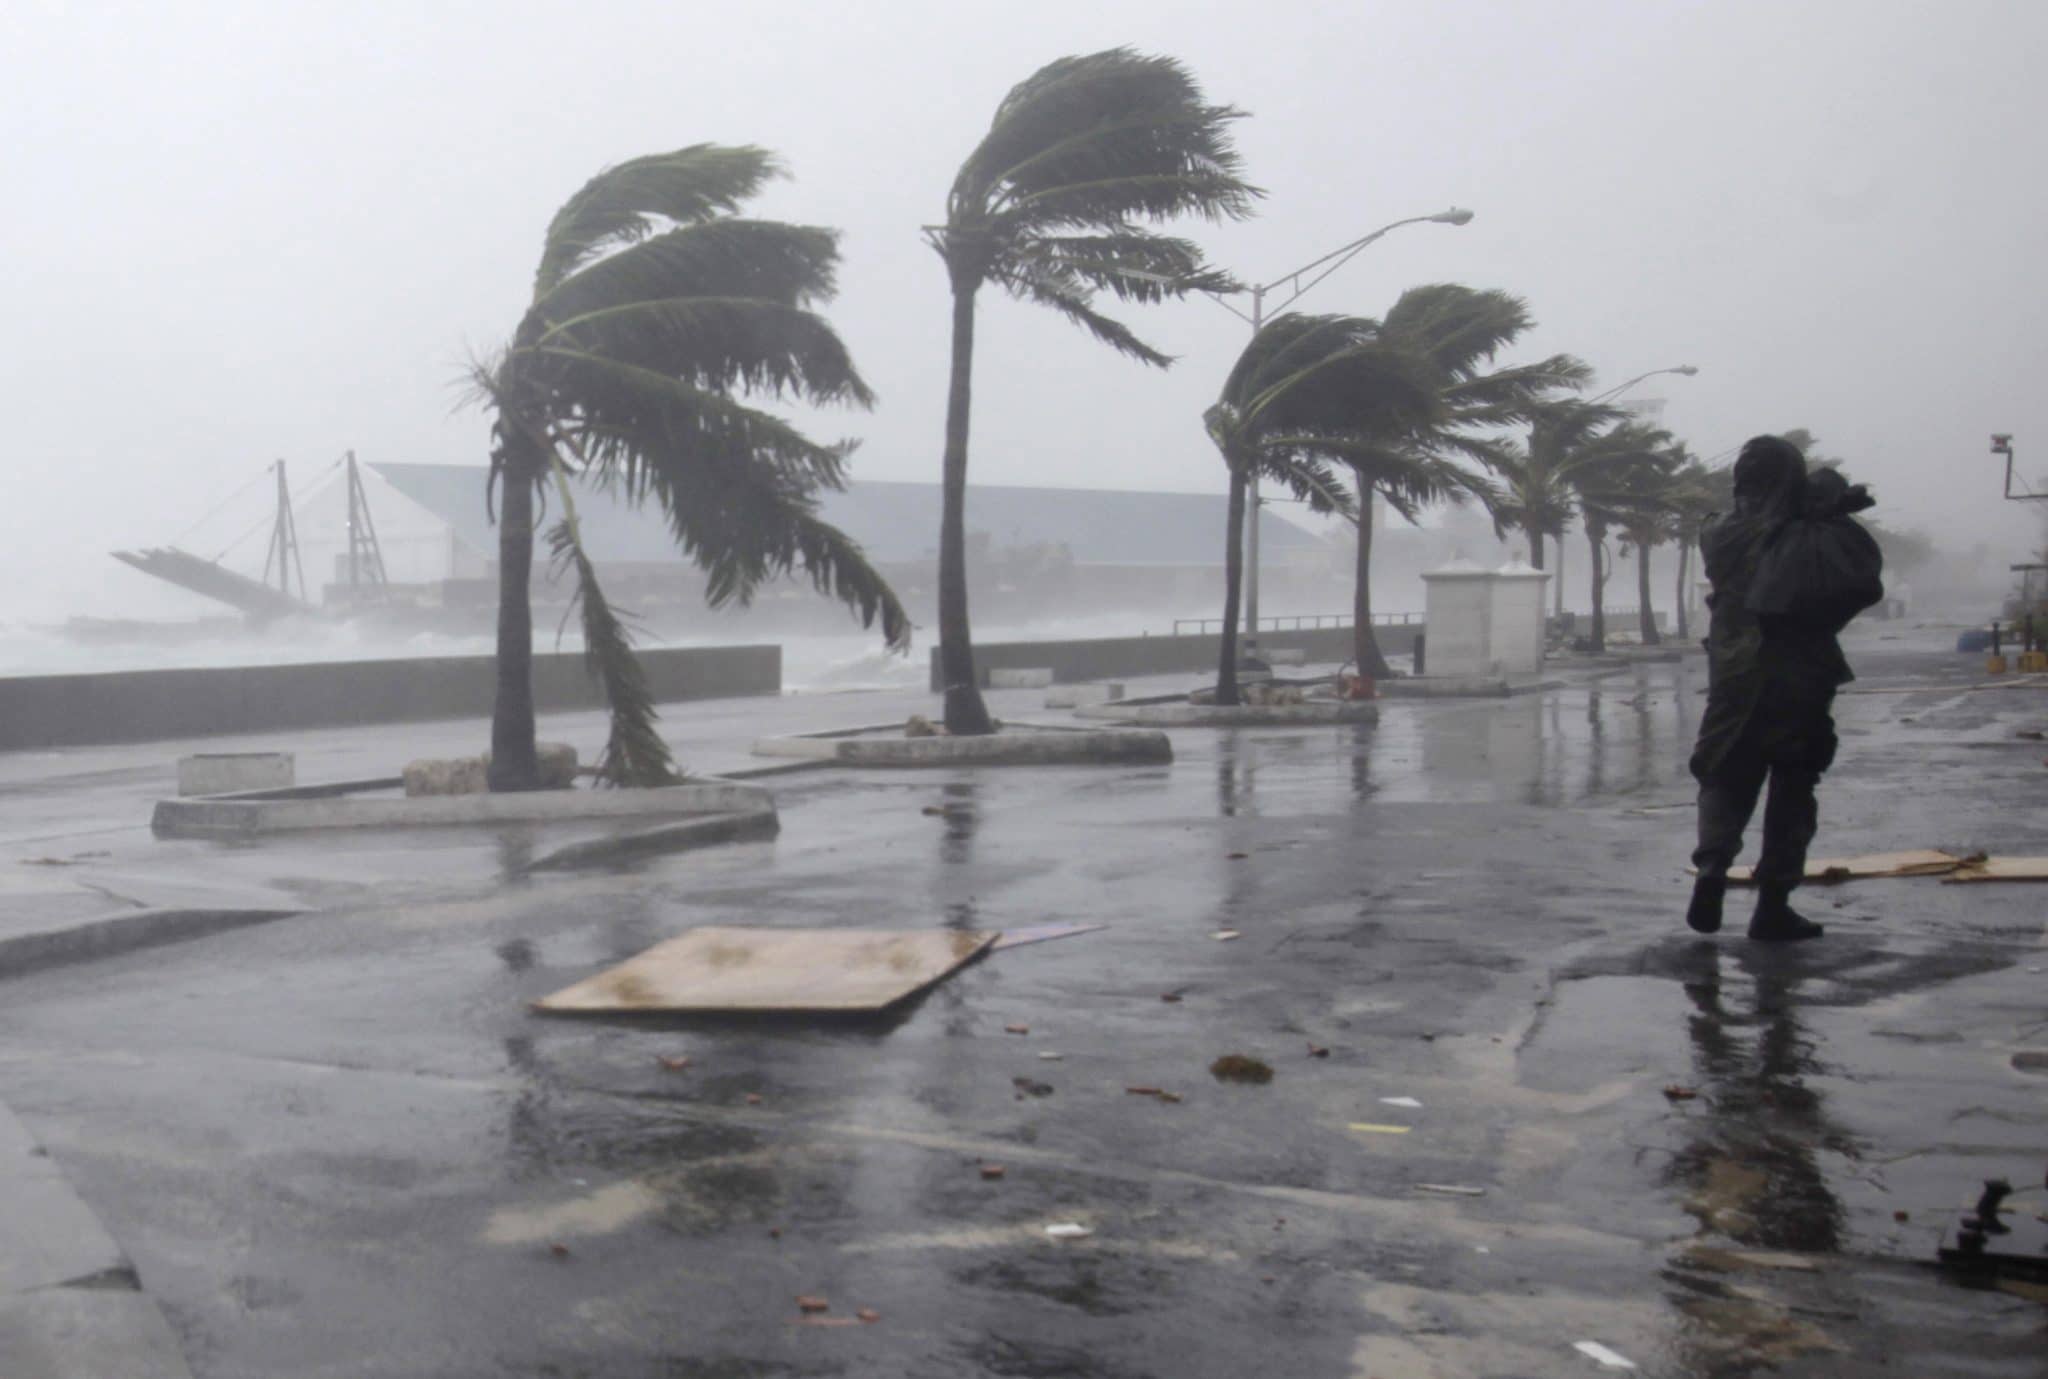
(1035, 747)
(225, 817)
(654, 842)
(71, 1306)
(1234, 715)
(122, 933)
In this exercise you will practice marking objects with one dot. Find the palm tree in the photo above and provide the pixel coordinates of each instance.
(1300, 384)
(1048, 206)
(1535, 478)
(1611, 477)
(1697, 493)
(655, 310)
(1651, 519)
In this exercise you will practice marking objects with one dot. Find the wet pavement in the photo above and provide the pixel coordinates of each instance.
(340, 1144)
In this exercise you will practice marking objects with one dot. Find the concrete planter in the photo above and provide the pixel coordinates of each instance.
(1036, 747)
(242, 818)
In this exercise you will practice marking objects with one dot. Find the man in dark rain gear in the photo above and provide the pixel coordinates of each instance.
(1789, 569)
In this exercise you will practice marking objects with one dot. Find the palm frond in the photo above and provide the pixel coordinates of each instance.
(1076, 306)
(634, 752)
(628, 202)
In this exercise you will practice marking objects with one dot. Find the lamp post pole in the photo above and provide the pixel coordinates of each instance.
(1315, 271)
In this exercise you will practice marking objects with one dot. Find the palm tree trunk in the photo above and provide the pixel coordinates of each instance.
(1684, 560)
(1647, 614)
(1596, 636)
(1233, 578)
(1365, 648)
(966, 714)
(1535, 548)
(514, 765)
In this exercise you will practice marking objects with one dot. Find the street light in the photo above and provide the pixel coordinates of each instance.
(1686, 370)
(1321, 268)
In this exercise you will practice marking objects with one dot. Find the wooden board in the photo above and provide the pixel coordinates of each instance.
(1919, 862)
(2004, 869)
(731, 970)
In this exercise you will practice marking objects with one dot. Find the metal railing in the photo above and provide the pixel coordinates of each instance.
(1293, 622)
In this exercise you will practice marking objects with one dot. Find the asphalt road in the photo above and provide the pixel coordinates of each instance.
(341, 1144)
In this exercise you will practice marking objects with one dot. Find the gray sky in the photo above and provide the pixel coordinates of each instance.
(239, 231)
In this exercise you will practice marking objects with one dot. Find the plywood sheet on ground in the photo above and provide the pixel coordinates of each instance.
(718, 969)
(1919, 862)
(2004, 869)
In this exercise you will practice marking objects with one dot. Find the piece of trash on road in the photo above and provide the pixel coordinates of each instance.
(753, 1098)
(1677, 1093)
(1368, 1128)
(1172, 998)
(1049, 1056)
(1236, 856)
(868, 1315)
(807, 1303)
(1406, 1102)
(1236, 1067)
(1068, 1230)
(1450, 1189)
(993, 1171)
(1030, 1087)
(1316, 1050)
(823, 1321)
(1608, 1359)
(1156, 1093)
(1225, 935)
(675, 1065)
(1016, 1029)
(559, 1251)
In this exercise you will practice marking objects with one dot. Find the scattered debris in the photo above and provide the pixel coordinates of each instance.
(1407, 1103)
(1016, 1029)
(1225, 935)
(753, 1098)
(920, 726)
(2030, 1060)
(559, 1251)
(1049, 1056)
(1236, 1067)
(1728, 1261)
(1316, 1050)
(806, 1303)
(775, 1232)
(1236, 856)
(1157, 1093)
(1068, 1230)
(47, 862)
(2031, 734)
(1043, 933)
(1450, 1190)
(1831, 870)
(1902, 1216)
(1027, 1087)
(1172, 998)
(934, 811)
(823, 1321)
(674, 1065)
(1368, 1128)
(1674, 1092)
(1607, 1359)
(725, 968)
(868, 1315)
(1981, 868)
(991, 1172)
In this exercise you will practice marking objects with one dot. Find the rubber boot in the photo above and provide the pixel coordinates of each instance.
(1775, 921)
(1704, 914)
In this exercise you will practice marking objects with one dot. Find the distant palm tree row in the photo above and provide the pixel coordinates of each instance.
(661, 321)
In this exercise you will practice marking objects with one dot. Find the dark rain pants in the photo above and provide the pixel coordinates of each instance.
(1790, 757)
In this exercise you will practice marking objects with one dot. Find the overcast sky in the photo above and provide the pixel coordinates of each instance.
(242, 231)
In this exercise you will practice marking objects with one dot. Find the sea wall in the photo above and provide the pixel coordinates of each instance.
(157, 705)
(1106, 658)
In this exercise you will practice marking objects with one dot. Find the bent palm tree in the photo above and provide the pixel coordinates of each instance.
(654, 310)
(1048, 206)
(1450, 334)
(1611, 475)
(1649, 520)
(1302, 383)
(1697, 493)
